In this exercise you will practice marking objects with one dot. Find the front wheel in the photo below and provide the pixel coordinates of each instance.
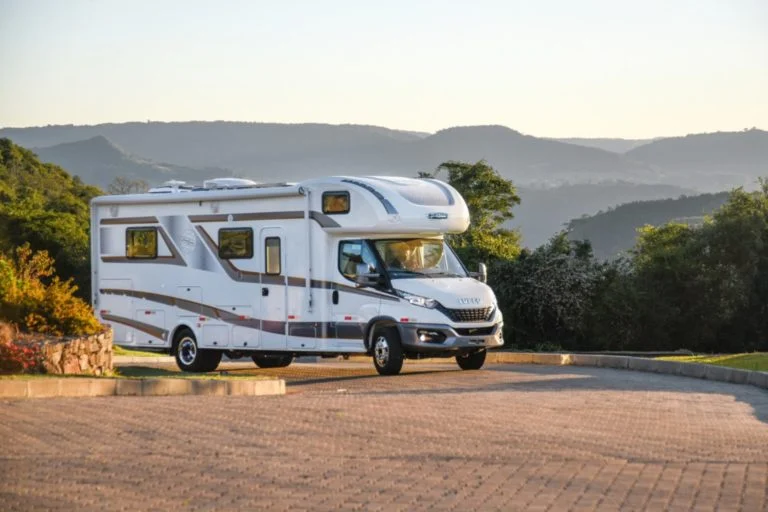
(387, 351)
(190, 357)
(270, 361)
(471, 361)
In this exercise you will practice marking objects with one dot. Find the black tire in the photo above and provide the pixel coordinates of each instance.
(471, 360)
(387, 351)
(272, 361)
(190, 357)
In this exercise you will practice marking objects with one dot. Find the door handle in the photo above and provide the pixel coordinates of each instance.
(335, 296)
(264, 292)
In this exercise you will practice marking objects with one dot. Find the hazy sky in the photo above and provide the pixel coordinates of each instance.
(545, 67)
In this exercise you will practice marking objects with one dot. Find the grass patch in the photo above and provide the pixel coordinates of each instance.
(117, 350)
(754, 361)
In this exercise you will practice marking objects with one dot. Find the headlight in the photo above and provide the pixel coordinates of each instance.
(417, 300)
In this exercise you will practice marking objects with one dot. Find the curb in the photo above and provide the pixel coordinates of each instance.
(640, 364)
(74, 387)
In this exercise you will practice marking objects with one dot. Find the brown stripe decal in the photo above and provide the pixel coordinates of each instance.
(247, 276)
(232, 271)
(174, 259)
(152, 330)
(343, 330)
(322, 219)
(130, 220)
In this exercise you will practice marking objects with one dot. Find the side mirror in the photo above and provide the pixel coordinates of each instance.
(364, 275)
(481, 274)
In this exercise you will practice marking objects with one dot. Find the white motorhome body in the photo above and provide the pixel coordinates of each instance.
(274, 271)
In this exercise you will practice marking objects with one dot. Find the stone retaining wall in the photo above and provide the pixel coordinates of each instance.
(91, 355)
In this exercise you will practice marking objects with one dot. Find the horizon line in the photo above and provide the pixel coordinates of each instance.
(404, 130)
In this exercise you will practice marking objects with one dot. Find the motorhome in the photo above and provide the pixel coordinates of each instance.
(326, 267)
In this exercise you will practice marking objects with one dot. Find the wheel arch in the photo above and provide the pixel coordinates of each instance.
(371, 326)
(175, 335)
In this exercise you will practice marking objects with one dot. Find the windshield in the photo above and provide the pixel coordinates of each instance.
(419, 257)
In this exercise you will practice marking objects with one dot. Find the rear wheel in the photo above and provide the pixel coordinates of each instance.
(190, 357)
(387, 351)
(272, 361)
(471, 361)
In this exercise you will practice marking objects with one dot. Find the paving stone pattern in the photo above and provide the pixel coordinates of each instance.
(504, 438)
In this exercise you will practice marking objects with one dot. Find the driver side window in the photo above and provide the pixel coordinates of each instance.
(351, 254)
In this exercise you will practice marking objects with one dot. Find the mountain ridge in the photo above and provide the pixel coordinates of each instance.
(98, 161)
(262, 150)
(615, 230)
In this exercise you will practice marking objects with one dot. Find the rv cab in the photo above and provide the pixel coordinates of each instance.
(330, 266)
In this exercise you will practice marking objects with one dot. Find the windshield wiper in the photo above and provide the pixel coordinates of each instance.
(404, 271)
(444, 274)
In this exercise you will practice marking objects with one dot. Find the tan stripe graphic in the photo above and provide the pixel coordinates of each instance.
(157, 332)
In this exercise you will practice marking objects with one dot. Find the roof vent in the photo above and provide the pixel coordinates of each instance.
(229, 183)
(169, 186)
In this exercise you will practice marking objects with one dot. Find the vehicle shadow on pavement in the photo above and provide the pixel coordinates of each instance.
(313, 376)
(571, 378)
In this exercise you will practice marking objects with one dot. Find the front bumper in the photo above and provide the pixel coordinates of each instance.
(444, 338)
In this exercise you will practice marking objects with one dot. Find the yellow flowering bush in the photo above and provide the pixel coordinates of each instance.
(35, 299)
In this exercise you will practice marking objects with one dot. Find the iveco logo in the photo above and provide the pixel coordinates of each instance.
(469, 301)
(437, 215)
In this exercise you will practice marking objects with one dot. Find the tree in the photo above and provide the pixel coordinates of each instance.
(123, 185)
(43, 205)
(545, 294)
(490, 199)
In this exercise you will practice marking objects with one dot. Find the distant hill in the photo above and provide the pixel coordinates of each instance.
(608, 144)
(98, 161)
(546, 211)
(521, 156)
(732, 158)
(218, 143)
(265, 151)
(615, 230)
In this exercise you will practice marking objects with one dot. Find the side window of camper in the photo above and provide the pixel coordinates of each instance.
(351, 254)
(235, 243)
(141, 243)
(336, 202)
(272, 255)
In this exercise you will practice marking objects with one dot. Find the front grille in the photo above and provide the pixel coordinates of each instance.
(474, 331)
(468, 315)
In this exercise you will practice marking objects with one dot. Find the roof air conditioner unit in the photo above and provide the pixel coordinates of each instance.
(229, 183)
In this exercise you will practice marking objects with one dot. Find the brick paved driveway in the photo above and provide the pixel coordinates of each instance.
(507, 437)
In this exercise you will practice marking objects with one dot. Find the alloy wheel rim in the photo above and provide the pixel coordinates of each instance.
(187, 351)
(381, 351)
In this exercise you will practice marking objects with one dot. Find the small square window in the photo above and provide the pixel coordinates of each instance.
(141, 243)
(336, 202)
(272, 255)
(235, 243)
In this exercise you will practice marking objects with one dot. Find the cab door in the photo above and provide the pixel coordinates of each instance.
(273, 290)
(352, 306)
